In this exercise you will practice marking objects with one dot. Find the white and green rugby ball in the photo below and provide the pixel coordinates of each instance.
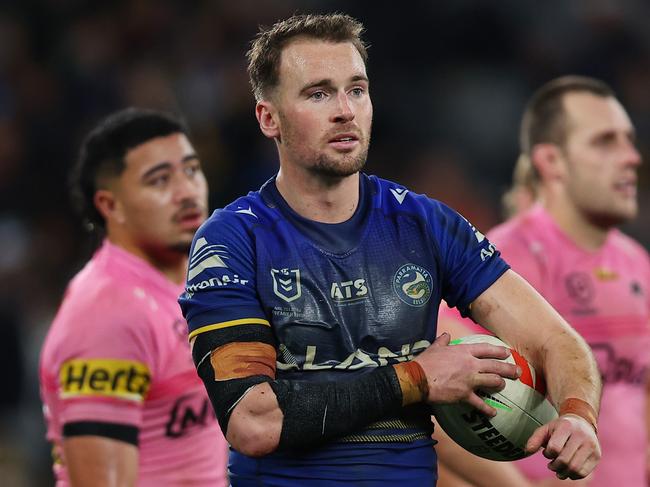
(521, 407)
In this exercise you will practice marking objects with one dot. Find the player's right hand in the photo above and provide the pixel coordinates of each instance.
(454, 373)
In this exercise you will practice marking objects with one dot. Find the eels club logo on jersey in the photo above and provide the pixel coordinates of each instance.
(413, 284)
(286, 283)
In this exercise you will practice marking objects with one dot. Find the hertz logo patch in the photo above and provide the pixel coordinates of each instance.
(123, 379)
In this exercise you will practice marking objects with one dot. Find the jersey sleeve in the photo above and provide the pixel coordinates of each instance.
(104, 365)
(469, 262)
(524, 257)
(221, 287)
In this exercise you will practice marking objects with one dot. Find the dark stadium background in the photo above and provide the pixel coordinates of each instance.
(449, 80)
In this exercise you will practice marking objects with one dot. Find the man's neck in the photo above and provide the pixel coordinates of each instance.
(576, 225)
(317, 198)
(172, 264)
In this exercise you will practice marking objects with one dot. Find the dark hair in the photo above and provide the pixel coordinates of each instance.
(544, 119)
(104, 148)
(266, 48)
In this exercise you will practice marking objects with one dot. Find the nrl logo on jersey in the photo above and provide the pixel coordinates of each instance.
(286, 284)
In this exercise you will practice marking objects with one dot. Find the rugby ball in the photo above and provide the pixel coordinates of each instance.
(521, 408)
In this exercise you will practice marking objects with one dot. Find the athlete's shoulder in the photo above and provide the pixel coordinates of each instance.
(527, 229)
(240, 216)
(101, 297)
(622, 242)
(392, 196)
(101, 318)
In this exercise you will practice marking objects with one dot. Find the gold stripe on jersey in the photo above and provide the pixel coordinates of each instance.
(115, 378)
(396, 430)
(228, 324)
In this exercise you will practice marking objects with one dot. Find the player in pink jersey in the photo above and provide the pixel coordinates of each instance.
(580, 142)
(123, 403)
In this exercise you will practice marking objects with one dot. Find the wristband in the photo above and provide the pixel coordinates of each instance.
(581, 408)
(413, 382)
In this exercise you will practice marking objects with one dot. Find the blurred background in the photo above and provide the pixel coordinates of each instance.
(449, 82)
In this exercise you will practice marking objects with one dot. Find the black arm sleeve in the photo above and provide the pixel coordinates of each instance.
(317, 412)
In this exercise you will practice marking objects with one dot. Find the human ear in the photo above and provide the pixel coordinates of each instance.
(549, 161)
(108, 206)
(268, 119)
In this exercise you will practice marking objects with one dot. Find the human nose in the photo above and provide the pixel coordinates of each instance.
(186, 187)
(344, 112)
(632, 155)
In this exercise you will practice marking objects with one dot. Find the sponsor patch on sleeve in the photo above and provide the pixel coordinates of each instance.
(115, 378)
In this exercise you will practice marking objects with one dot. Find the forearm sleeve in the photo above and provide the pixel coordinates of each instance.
(317, 412)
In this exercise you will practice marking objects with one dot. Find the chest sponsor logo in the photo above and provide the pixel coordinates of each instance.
(413, 285)
(359, 359)
(123, 379)
(286, 284)
(205, 256)
(615, 368)
(349, 291)
(186, 415)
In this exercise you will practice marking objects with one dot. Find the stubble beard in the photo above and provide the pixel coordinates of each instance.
(342, 167)
(321, 164)
(604, 215)
(610, 218)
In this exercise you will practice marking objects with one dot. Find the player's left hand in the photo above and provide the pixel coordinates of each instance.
(571, 443)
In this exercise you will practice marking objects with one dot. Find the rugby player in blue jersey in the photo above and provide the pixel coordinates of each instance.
(312, 303)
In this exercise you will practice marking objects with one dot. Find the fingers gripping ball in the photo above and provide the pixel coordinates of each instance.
(521, 408)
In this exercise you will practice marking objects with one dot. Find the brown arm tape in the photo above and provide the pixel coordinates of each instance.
(243, 359)
(412, 381)
(581, 408)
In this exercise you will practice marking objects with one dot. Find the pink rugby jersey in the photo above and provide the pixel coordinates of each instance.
(117, 352)
(605, 295)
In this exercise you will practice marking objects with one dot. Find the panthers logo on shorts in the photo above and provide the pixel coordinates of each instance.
(413, 284)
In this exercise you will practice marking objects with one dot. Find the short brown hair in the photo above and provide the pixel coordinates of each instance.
(266, 48)
(544, 119)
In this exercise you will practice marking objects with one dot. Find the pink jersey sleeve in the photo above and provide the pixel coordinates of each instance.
(101, 365)
(524, 256)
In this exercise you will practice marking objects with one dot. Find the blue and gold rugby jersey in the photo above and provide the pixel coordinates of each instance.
(341, 299)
